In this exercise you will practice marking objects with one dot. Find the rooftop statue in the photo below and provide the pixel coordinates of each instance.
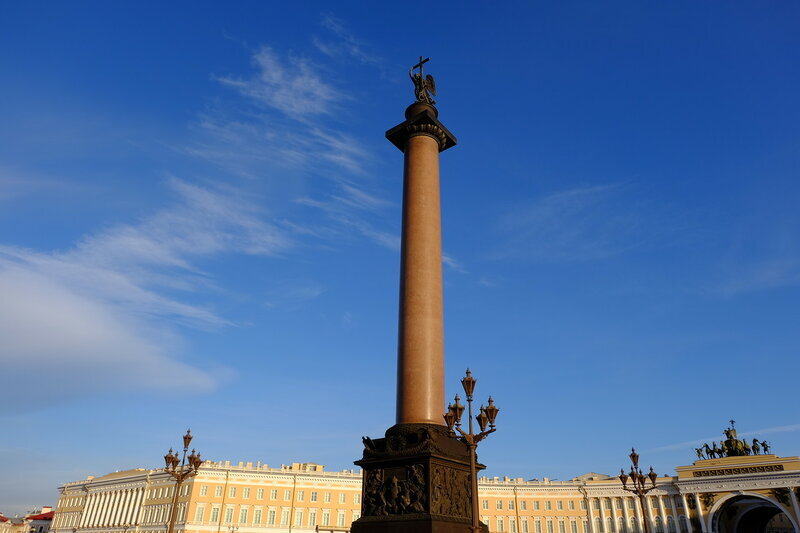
(424, 87)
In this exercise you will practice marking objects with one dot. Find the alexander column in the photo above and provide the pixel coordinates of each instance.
(416, 478)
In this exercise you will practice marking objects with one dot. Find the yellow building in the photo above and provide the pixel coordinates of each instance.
(731, 494)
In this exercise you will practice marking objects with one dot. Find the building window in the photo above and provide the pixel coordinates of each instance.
(243, 515)
(298, 517)
(523, 505)
(203, 490)
(631, 503)
(357, 498)
(342, 496)
(583, 505)
(500, 524)
(246, 493)
(259, 494)
(512, 525)
(598, 526)
(538, 526)
(271, 517)
(232, 492)
(560, 505)
(607, 504)
(573, 527)
(562, 527)
(287, 495)
(510, 505)
(301, 495)
(525, 525)
(218, 491)
(312, 518)
(585, 526)
(550, 526)
(548, 505)
(499, 504)
(214, 515)
(228, 515)
(285, 517)
(484, 504)
(610, 525)
(340, 519)
(313, 496)
(571, 505)
(273, 494)
(326, 518)
(257, 516)
(536, 505)
(198, 514)
(327, 497)
(668, 503)
(356, 515)
(596, 504)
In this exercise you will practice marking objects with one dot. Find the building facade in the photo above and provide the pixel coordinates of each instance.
(725, 495)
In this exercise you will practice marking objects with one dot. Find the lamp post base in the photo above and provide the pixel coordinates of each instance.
(416, 479)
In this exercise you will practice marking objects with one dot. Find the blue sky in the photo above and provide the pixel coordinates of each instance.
(199, 226)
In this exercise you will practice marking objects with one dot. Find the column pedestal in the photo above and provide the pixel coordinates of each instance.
(416, 479)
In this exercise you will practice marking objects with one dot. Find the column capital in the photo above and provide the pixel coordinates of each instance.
(421, 120)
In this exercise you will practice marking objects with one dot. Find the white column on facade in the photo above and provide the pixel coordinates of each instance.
(590, 503)
(794, 504)
(107, 508)
(129, 506)
(700, 512)
(137, 506)
(122, 518)
(662, 511)
(639, 514)
(686, 513)
(119, 501)
(650, 517)
(674, 506)
(625, 514)
(614, 514)
(112, 498)
(86, 510)
(603, 513)
(97, 508)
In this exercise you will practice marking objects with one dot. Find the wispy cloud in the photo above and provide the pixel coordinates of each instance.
(346, 44)
(767, 274)
(293, 86)
(577, 224)
(96, 311)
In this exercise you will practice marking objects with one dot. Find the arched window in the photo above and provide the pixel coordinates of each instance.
(684, 525)
(634, 526)
(610, 524)
(659, 525)
(621, 528)
(598, 525)
(671, 525)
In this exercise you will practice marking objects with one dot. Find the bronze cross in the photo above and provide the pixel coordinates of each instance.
(419, 65)
(732, 422)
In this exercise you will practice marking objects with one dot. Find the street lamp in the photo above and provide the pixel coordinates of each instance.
(486, 417)
(639, 481)
(181, 470)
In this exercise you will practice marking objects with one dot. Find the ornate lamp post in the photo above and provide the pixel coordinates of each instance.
(486, 417)
(639, 481)
(181, 470)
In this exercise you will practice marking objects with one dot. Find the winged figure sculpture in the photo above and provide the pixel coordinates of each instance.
(423, 87)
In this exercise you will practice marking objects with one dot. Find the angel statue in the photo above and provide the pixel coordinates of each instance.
(424, 87)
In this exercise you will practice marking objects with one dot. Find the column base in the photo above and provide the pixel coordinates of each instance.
(415, 480)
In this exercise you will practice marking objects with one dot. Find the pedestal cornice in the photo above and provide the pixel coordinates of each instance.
(422, 123)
